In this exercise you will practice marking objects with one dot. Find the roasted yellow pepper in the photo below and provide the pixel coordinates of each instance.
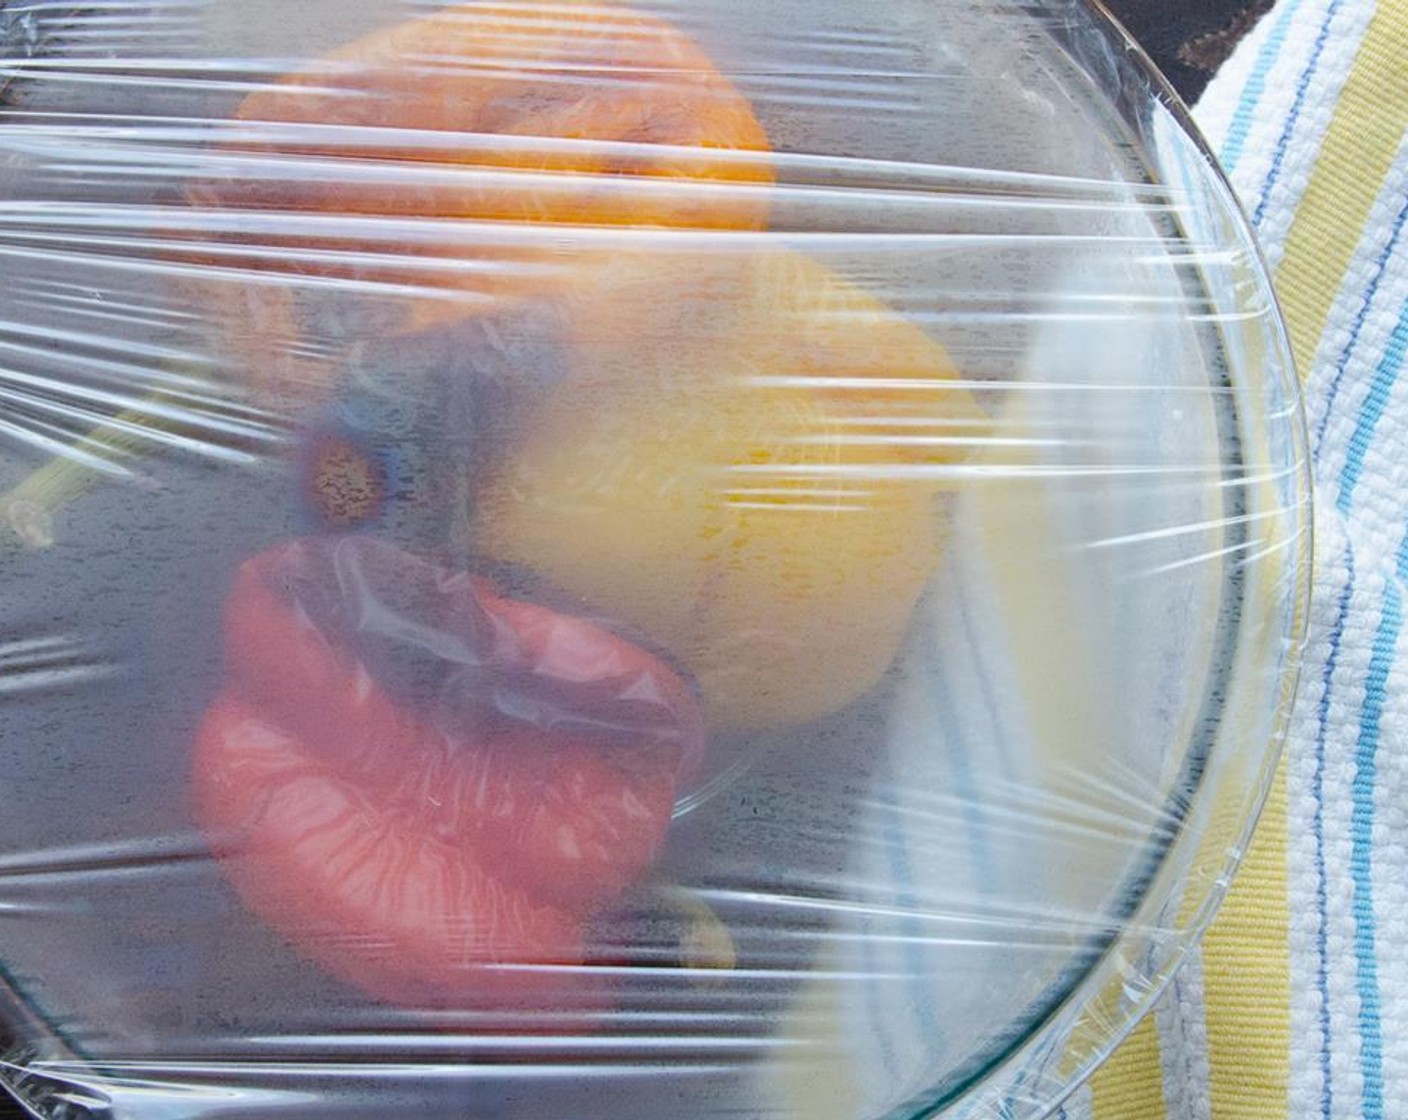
(761, 504)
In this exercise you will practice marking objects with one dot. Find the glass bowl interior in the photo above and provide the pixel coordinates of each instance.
(911, 897)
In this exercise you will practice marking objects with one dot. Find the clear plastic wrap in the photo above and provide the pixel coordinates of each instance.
(593, 560)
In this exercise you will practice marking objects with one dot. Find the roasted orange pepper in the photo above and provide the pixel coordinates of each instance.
(517, 115)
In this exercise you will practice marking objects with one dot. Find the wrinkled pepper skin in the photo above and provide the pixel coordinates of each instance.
(761, 501)
(492, 120)
(612, 117)
(426, 787)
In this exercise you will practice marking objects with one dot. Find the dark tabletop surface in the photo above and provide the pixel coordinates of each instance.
(1187, 39)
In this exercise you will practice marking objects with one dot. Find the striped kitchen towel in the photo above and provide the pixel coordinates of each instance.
(1297, 1006)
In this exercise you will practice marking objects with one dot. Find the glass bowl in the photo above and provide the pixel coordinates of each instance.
(612, 561)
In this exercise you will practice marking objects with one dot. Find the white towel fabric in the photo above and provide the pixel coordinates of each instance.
(1296, 117)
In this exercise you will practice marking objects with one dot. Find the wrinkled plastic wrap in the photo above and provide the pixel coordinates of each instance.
(575, 560)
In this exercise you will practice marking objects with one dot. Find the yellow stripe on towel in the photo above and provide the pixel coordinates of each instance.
(1354, 160)
(1247, 956)
(1246, 953)
(1246, 972)
(1130, 1085)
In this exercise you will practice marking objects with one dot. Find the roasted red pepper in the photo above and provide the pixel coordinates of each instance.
(427, 787)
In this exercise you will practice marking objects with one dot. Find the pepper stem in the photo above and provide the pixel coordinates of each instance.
(705, 942)
(27, 509)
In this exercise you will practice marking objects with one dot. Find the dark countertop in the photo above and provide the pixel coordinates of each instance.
(1188, 39)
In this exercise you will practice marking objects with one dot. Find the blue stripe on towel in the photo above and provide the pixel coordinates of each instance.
(1318, 826)
(1383, 654)
(1357, 326)
(1380, 390)
(1361, 850)
(1241, 124)
(1293, 118)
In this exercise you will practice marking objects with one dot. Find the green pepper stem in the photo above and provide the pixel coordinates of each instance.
(27, 509)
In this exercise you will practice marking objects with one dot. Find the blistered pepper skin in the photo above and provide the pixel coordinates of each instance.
(762, 501)
(493, 120)
(439, 840)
